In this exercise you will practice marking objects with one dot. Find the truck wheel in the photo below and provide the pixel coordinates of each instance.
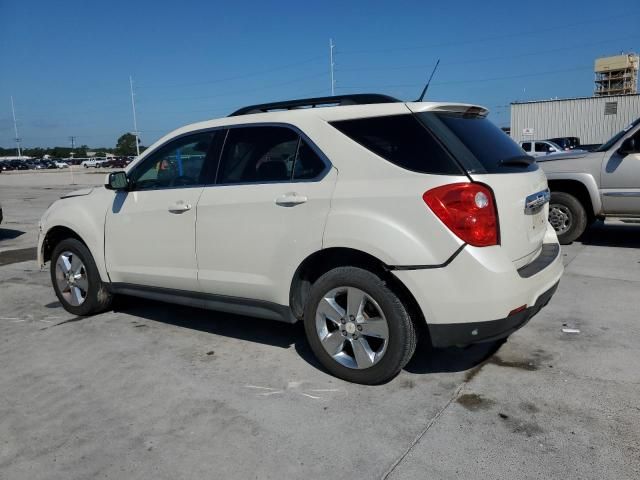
(357, 327)
(76, 280)
(567, 216)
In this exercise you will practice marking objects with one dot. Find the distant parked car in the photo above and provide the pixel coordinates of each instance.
(566, 143)
(19, 165)
(117, 163)
(59, 164)
(539, 148)
(48, 164)
(94, 162)
(6, 166)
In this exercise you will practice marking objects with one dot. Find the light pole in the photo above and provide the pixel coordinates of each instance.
(135, 122)
(15, 128)
(332, 64)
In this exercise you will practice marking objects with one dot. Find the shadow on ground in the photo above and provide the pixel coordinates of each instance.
(10, 234)
(426, 360)
(601, 235)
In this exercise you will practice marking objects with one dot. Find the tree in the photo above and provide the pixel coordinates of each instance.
(126, 145)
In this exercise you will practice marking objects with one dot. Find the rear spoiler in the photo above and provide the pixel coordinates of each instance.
(465, 109)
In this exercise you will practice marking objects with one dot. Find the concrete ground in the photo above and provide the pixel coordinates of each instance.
(157, 391)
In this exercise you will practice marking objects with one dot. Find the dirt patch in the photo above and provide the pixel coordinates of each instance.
(407, 384)
(529, 407)
(528, 365)
(474, 402)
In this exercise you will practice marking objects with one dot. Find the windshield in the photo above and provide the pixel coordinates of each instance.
(606, 146)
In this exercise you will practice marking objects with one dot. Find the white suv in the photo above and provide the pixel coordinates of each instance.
(367, 219)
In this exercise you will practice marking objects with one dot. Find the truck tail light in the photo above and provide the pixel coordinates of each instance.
(468, 210)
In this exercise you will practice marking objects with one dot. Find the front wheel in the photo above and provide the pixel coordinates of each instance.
(76, 280)
(357, 327)
(567, 216)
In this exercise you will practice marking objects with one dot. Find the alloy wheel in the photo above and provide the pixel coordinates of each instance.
(352, 327)
(71, 278)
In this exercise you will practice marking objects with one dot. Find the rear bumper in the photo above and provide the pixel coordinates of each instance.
(449, 334)
(479, 289)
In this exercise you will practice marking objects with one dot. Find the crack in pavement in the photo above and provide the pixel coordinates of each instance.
(423, 432)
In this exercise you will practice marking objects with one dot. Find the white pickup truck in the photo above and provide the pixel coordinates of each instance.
(93, 162)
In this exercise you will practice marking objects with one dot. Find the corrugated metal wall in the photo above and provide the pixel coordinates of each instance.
(581, 117)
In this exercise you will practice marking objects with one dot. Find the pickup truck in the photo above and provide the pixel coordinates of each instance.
(94, 162)
(589, 186)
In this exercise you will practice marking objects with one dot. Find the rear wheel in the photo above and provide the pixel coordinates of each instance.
(357, 327)
(76, 280)
(567, 216)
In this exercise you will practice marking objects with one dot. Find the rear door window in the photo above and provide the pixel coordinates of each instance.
(526, 146)
(401, 140)
(258, 155)
(308, 164)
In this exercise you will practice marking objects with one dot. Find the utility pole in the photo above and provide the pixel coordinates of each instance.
(135, 122)
(15, 128)
(332, 64)
(72, 138)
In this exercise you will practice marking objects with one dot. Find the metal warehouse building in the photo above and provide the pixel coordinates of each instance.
(592, 119)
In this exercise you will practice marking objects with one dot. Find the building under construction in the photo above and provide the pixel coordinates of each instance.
(617, 75)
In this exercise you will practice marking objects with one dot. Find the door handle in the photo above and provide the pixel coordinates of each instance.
(179, 207)
(290, 199)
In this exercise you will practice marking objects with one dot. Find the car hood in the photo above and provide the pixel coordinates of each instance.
(78, 193)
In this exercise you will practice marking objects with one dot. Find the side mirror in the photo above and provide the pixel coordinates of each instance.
(627, 147)
(117, 181)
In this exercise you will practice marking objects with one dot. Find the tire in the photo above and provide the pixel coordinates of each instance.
(567, 216)
(87, 294)
(388, 350)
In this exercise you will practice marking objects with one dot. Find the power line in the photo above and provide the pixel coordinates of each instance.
(489, 38)
(475, 80)
(248, 90)
(488, 59)
(236, 77)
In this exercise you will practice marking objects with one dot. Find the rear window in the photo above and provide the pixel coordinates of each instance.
(477, 142)
(403, 141)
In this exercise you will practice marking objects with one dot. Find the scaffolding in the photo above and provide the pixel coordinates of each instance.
(617, 75)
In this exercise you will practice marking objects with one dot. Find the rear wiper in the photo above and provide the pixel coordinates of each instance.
(519, 160)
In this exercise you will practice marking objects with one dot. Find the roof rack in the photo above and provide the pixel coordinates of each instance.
(338, 100)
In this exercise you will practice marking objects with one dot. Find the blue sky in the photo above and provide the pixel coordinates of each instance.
(67, 64)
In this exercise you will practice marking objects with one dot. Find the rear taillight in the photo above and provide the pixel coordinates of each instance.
(468, 209)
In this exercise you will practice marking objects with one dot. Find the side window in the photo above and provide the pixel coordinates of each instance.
(180, 163)
(542, 147)
(526, 146)
(308, 164)
(401, 140)
(258, 155)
